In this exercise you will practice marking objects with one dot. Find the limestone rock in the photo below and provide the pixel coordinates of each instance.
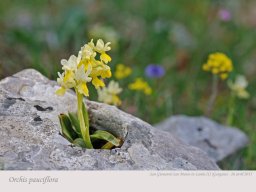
(216, 140)
(30, 139)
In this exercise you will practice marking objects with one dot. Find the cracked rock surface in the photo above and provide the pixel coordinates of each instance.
(216, 140)
(30, 139)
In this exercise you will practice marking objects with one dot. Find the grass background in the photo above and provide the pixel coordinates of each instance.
(178, 34)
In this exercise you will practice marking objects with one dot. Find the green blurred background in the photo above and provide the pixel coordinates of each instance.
(177, 34)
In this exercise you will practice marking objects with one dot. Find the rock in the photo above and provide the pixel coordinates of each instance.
(30, 139)
(216, 140)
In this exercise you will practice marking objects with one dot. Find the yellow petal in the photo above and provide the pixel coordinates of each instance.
(118, 75)
(97, 82)
(106, 74)
(206, 67)
(105, 57)
(243, 94)
(61, 91)
(122, 71)
(116, 100)
(83, 89)
(215, 71)
(69, 75)
(128, 71)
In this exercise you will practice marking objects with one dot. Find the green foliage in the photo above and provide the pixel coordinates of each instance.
(67, 129)
(79, 142)
(74, 122)
(70, 129)
(104, 135)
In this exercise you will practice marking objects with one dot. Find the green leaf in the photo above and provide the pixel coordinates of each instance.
(108, 145)
(75, 122)
(79, 142)
(66, 128)
(104, 135)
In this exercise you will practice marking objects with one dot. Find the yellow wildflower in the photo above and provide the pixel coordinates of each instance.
(238, 87)
(122, 71)
(110, 93)
(84, 68)
(218, 64)
(140, 85)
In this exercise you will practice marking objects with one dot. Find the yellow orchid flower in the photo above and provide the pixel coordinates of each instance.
(84, 68)
(80, 70)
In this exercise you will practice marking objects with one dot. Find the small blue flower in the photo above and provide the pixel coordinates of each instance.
(154, 71)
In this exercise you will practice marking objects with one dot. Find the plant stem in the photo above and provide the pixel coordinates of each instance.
(84, 126)
(213, 95)
(231, 110)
